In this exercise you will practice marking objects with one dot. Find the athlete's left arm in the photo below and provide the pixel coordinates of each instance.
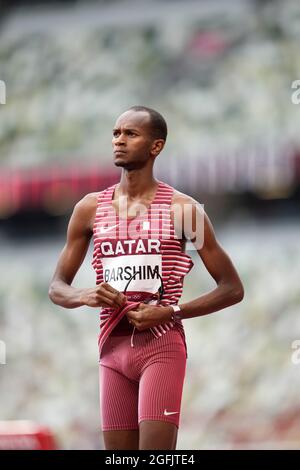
(192, 223)
(200, 232)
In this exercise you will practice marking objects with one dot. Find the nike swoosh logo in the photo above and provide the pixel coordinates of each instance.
(104, 230)
(167, 413)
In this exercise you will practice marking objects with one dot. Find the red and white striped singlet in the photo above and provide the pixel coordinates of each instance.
(145, 247)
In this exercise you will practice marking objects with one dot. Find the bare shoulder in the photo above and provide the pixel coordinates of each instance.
(192, 217)
(89, 200)
(182, 199)
(85, 209)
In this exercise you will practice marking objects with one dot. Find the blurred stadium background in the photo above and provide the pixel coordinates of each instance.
(221, 73)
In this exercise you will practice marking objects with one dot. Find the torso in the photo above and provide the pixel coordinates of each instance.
(178, 198)
(132, 205)
(161, 262)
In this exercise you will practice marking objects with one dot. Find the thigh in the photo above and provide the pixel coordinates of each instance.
(161, 382)
(118, 401)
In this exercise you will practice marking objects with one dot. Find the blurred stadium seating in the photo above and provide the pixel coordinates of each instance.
(221, 76)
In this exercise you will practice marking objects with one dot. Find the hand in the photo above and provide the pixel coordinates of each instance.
(103, 295)
(147, 316)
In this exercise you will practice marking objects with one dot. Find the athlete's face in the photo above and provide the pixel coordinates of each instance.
(133, 142)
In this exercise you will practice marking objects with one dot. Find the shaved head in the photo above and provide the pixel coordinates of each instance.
(158, 125)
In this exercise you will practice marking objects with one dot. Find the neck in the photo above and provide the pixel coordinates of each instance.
(136, 183)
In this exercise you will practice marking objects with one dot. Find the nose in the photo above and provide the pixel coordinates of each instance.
(120, 140)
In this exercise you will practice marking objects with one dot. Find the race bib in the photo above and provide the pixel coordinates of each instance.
(146, 269)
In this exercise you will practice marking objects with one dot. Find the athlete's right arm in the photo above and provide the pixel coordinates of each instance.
(80, 231)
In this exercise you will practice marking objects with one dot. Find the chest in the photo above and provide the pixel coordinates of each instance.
(130, 210)
(127, 209)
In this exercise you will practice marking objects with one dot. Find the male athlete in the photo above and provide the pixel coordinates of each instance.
(140, 227)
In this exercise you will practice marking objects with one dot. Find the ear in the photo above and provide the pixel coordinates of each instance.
(157, 147)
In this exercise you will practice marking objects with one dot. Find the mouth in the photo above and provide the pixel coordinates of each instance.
(119, 152)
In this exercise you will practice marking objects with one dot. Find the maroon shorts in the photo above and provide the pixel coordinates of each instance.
(141, 380)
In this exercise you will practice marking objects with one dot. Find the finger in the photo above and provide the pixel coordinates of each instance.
(136, 310)
(129, 315)
(132, 315)
(115, 296)
(111, 289)
(107, 286)
(104, 304)
(104, 298)
(120, 299)
(142, 306)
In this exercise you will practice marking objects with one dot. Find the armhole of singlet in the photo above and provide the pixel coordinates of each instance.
(171, 221)
(99, 197)
(175, 235)
(99, 201)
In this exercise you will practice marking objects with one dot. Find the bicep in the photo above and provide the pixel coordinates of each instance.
(75, 249)
(213, 255)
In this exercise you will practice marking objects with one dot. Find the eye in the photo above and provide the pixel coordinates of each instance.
(116, 133)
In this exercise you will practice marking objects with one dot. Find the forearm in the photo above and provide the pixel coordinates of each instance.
(221, 297)
(65, 295)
